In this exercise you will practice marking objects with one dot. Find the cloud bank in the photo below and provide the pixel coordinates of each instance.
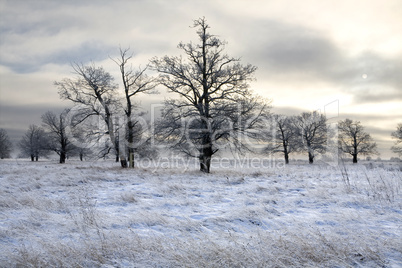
(310, 52)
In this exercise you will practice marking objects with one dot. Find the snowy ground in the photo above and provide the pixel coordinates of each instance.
(95, 214)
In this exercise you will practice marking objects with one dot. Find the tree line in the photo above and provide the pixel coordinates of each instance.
(309, 133)
(215, 111)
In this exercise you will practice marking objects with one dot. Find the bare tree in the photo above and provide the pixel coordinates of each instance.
(284, 136)
(88, 134)
(134, 82)
(312, 127)
(5, 144)
(397, 148)
(353, 140)
(214, 98)
(80, 140)
(59, 142)
(34, 143)
(93, 89)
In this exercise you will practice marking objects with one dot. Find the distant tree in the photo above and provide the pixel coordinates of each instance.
(83, 152)
(397, 148)
(80, 140)
(215, 105)
(312, 127)
(117, 145)
(353, 140)
(93, 90)
(5, 144)
(59, 142)
(284, 137)
(88, 133)
(134, 83)
(34, 143)
(395, 159)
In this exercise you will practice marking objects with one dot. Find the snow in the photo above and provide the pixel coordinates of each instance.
(96, 214)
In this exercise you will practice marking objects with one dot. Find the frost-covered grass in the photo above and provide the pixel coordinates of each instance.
(83, 214)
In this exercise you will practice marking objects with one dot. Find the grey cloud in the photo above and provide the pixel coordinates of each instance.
(34, 26)
(379, 70)
(21, 115)
(283, 48)
(290, 49)
(84, 31)
(31, 32)
(294, 52)
(17, 118)
(33, 18)
(382, 81)
(85, 52)
(82, 53)
(376, 94)
(369, 118)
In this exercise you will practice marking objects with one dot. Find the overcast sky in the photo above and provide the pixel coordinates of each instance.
(310, 54)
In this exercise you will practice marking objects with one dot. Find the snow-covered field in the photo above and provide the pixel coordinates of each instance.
(95, 214)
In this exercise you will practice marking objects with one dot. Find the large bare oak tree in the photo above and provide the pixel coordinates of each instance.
(215, 104)
(34, 143)
(313, 133)
(354, 140)
(58, 139)
(283, 138)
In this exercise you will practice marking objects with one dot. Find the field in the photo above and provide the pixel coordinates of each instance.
(95, 214)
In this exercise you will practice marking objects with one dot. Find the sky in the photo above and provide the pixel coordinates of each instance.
(340, 57)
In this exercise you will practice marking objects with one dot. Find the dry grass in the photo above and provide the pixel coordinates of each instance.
(297, 218)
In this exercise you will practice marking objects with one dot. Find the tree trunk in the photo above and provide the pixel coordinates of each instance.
(123, 163)
(130, 136)
(355, 151)
(205, 164)
(81, 156)
(310, 158)
(354, 158)
(110, 126)
(285, 151)
(62, 157)
(286, 157)
(32, 157)
(117, 148)
(37, 158)
(131, 157)
(205, 159)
